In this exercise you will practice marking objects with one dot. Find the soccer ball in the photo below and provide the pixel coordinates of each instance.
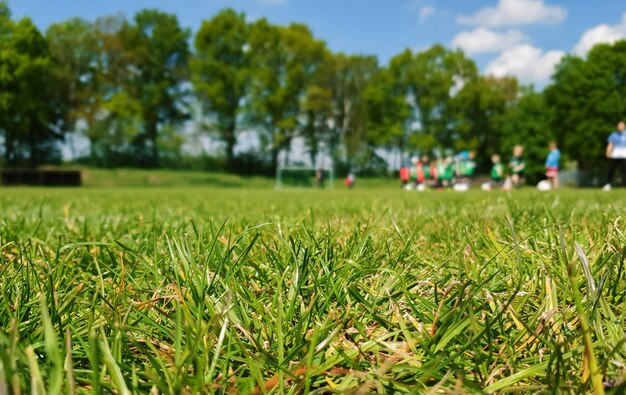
(408, 187)
(544, 186)
(421, 188)
(461, 187)
(486, 186)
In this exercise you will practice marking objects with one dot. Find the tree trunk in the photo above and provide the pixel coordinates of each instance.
(313, 155)
(231, 140)
(275, 152)
(287, 146)
(9, 152)
(152, 137)
(312, 138)
(92, 152)
(33, 157)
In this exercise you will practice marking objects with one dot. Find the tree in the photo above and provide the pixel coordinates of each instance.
(318, 109)
(527, 122)
(159, 53)
(429, 79)
(387, 112)
(588, 97)
(100, 83)
(221, 73)
(30, 115)
(351, 77)
(478, 109)
(74, 47)
(118, 124)
(285, 60)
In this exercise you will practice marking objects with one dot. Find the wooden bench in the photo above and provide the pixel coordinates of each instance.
(48, 178)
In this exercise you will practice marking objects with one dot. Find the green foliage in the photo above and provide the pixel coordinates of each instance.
(480, 109)
(317, 105)
(112, 120)
(159, 50)
(31, 113)
(201, 290)
(74, 47)
(123, 82)
(587, 98)
(429, 79)
(286, 60)
(527, 123)
(124, 85)
(221, 72)
(352, 75)
(387, 111)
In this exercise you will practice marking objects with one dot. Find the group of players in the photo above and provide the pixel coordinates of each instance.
(439, 173)
(458, 171)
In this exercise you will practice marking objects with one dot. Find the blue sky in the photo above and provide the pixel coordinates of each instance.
(525, 38)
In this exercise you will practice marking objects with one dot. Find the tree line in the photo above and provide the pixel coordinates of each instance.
(129, 86)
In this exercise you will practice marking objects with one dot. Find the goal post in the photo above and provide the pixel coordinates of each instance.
(303, 177)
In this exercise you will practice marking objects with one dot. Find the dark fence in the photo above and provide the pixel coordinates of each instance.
(48, 178)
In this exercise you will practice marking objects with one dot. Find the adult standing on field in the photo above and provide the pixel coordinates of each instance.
(616, 152)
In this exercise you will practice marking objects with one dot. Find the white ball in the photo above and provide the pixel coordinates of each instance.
(421, 187)
(408, 187)
(486, 186)
(544, 186)
(461, 187)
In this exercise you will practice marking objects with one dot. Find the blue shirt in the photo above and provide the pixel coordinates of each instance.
(618, 139)
(552, 161)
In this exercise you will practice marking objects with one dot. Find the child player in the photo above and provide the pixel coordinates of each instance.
(446, 172)
(497, 170)
(552, 165)
(413, 173)
(459, 166)
(468, 167)
(405, 175)
(349, 181)
(424, 171)
(517, 166)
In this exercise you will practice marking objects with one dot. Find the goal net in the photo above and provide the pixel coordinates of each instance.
(304, 177)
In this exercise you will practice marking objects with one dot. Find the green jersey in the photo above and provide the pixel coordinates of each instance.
(517, 165)
(459, 167)
(448, 171)
(497, 171)
(465, 168)
(469, 168)
(426, 169)
(444, 171)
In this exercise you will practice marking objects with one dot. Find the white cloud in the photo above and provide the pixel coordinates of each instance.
(483, 40)
(601, 34)
(516, 12)
(426, 12)
(526, 62)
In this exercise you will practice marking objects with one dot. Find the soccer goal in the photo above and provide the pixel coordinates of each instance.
(304, 177)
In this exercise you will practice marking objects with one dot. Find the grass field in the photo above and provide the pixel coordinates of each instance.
(204, 289)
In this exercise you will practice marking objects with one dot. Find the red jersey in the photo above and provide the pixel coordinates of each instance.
(404, 173)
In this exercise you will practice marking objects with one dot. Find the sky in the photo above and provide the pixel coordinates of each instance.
(523, 38)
